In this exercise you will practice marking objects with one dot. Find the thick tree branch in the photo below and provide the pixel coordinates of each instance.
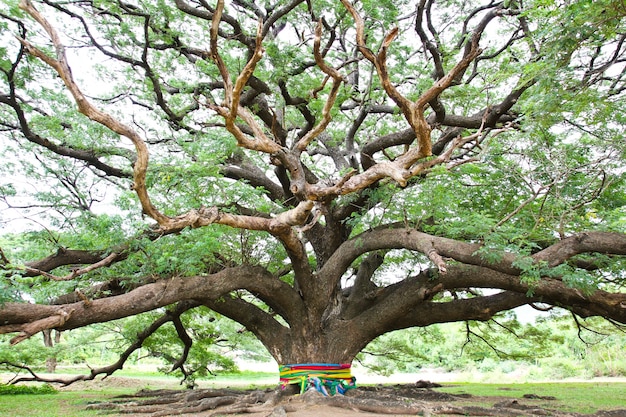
(31, 318)
(391, 238)
(63, 257)
(54, 321)
(600, 242)
(547, 290)
(108, 260)
(390, 305)
(269, 331)
(422, 313)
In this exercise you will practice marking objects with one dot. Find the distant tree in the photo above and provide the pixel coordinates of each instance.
(321, 172)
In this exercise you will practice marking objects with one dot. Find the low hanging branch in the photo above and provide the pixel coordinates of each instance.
(170, 316)
(187, 342)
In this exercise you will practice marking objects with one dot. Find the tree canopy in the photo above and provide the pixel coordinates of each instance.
(322, 172)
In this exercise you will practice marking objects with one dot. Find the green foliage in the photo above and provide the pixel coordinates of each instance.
(216, 343)
(27, 389)
(11, 286)
(203, 358)
(29, 352)
(549, 348)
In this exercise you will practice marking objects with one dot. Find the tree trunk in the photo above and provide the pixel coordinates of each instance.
(49, 342)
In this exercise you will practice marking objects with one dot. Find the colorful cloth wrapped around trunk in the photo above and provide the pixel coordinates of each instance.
(327, 378)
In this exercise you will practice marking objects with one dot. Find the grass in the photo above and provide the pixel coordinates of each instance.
(61, 404)
(580, 397)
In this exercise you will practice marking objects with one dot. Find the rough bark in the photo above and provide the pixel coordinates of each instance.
(343, 333)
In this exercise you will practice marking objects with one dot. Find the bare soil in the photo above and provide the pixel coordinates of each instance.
(421, 398)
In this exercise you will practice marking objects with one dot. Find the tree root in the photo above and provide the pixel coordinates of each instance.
(381, 400)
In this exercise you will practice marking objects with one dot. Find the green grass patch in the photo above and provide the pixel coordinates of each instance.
(584, 397)
(27, 389)
(61, 404)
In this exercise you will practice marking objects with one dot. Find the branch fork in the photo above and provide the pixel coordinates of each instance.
(413, 111)
(29, 329)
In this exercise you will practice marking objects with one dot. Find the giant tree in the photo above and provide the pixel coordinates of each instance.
(322, 172)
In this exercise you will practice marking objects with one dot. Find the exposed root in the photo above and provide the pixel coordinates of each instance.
(381, 400)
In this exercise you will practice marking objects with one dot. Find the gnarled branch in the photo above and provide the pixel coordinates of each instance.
(412, 111)
(61, 66)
